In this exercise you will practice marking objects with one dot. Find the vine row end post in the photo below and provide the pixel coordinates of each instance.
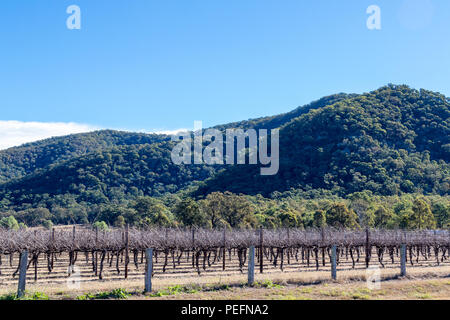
(368, 248)
(261, 250)
(251, 266)
(403, 260)
(333, 262)
(23, 273)
(148, 270)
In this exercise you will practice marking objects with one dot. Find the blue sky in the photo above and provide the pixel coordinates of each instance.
(160, 65)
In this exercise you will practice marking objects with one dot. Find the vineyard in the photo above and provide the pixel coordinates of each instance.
(53, 255)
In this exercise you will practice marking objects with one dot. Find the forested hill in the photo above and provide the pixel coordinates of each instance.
(108, 176)
(389, 141)
(19, 161)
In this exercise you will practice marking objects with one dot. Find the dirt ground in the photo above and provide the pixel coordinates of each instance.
(421, 283)
(405, 289)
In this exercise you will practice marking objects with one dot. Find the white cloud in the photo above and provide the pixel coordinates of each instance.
(167, 132)
(15, 133)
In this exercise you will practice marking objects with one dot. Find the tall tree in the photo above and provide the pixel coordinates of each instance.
(339, 216)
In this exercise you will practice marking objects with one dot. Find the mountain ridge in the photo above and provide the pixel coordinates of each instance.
(398, 122)
(84, 143)
(18, 161)
(392, 140)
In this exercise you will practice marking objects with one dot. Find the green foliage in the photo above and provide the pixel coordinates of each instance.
(362, 204)
(120, 294)
(389, 141)
(28, 158)
(228, 210)
(9, 223)
(384, 218)
(422, 217)
(346, 161)
(34, 217)
(289, 209)
(289, 217)
(100, 225)
(27, 296)
(47, 224)
(104, 177)
(267, 284)
(36, 296)
(189, 213)
(120, 222)
(178, 289)
(9, 296)
(152, 212)
(339, 216)
(441, 212)
(320, 219)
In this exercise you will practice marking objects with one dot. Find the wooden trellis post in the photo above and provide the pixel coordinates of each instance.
(96, 255)
(367, 248)
(403, 260)
(148, 270)
(71, 254)
(288, 250)
(35, 261)
(251, 266)
(127, 258)
(261, 250)
(23, 273)
(224, 249)
(333, 262)
(322, 237)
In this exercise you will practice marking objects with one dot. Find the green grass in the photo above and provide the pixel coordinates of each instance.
(359, 296)
(170, 291)
(332, 293)
(219, 287)
(306, 290)
(178, 289)
(267, 284)
(27, 296)
(292, 297)
(423, 296)
(113, 294)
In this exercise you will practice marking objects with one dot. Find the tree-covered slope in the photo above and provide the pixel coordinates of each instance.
(25, 160)
(389, 141)
(392, 140)
(106, 176)
(19, 161)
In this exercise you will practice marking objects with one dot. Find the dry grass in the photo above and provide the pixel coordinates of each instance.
(405, 289)
(421, 283)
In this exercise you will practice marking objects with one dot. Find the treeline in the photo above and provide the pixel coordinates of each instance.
(219, 210)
